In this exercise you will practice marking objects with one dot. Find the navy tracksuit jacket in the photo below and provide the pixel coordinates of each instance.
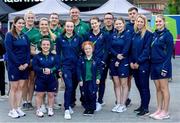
(161, 53)
(69, 51)
(121, 45)
(101, 51)
(89, 87)
(130, 26)
(18, 53)
(140, 54)
(41, 61)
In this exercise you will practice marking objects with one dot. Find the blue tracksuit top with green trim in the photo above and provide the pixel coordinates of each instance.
(162, 48)
(100, 42)
(120, 44)
(140, 51)
(81, 70)
(41, 61)
(17, 49)
(68, 50)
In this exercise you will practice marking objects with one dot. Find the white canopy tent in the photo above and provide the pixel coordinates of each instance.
(44, 9)
(116, 7)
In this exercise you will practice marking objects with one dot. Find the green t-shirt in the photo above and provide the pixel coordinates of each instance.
(89, 75)
(82, 28)
(33, 35)
(40, 37)
(88, 69)
(57, 31)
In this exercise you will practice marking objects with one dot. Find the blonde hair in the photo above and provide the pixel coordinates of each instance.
(162, 17)
(121, 19)
(43, 19)
(27, 13)
(143, 31)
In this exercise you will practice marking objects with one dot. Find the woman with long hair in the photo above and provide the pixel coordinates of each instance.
(68, 49)
(32, 32)
(140, 62)
(161, 67)
(99, 39)
(119, 65)
(18, 53)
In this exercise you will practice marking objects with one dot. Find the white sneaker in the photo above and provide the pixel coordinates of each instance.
(121, 108)
(103, 104)
(71, 110)
(4, 97)
(114, 109)
(67, 115)
(13, 113)
(39, 113)
(50, 112)
(43, 109)
(98, 107)
(20, 112)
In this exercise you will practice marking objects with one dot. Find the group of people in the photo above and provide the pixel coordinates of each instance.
(81, 54)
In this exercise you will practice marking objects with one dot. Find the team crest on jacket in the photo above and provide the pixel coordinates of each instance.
(114, 37)
(65, 75)
(75, 39)
(94, 63)
(161, 37)
(101, 36)
(122, 36)
(23, 38)
(52, 58)
(63, 40)
(41, 59)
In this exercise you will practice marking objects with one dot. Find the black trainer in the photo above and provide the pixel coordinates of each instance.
(30, 106)
(138, 110)
(25, 107)
(143, 113)
(73, 105)
(91, 112)
(86, 112)
(128, 102)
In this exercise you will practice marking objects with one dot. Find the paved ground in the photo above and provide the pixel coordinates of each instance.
(106, 115)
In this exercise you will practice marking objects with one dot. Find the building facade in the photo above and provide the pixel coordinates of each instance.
(155, 6)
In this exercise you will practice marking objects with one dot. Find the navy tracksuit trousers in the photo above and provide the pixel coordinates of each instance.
(70, 78)
(89, 95)
(142, 83)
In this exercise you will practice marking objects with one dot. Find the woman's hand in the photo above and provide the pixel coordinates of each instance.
(97, 81)
(81, 83)
(47, 71)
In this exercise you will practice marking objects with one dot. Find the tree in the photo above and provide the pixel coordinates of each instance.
(173, 7)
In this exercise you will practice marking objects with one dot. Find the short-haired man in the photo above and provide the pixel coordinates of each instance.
(81, 28)
(132, 14)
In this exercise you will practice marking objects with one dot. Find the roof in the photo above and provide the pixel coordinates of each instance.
(116, 7)
(4, 8)
(44, 9)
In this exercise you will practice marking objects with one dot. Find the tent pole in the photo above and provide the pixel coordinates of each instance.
(8, 25)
